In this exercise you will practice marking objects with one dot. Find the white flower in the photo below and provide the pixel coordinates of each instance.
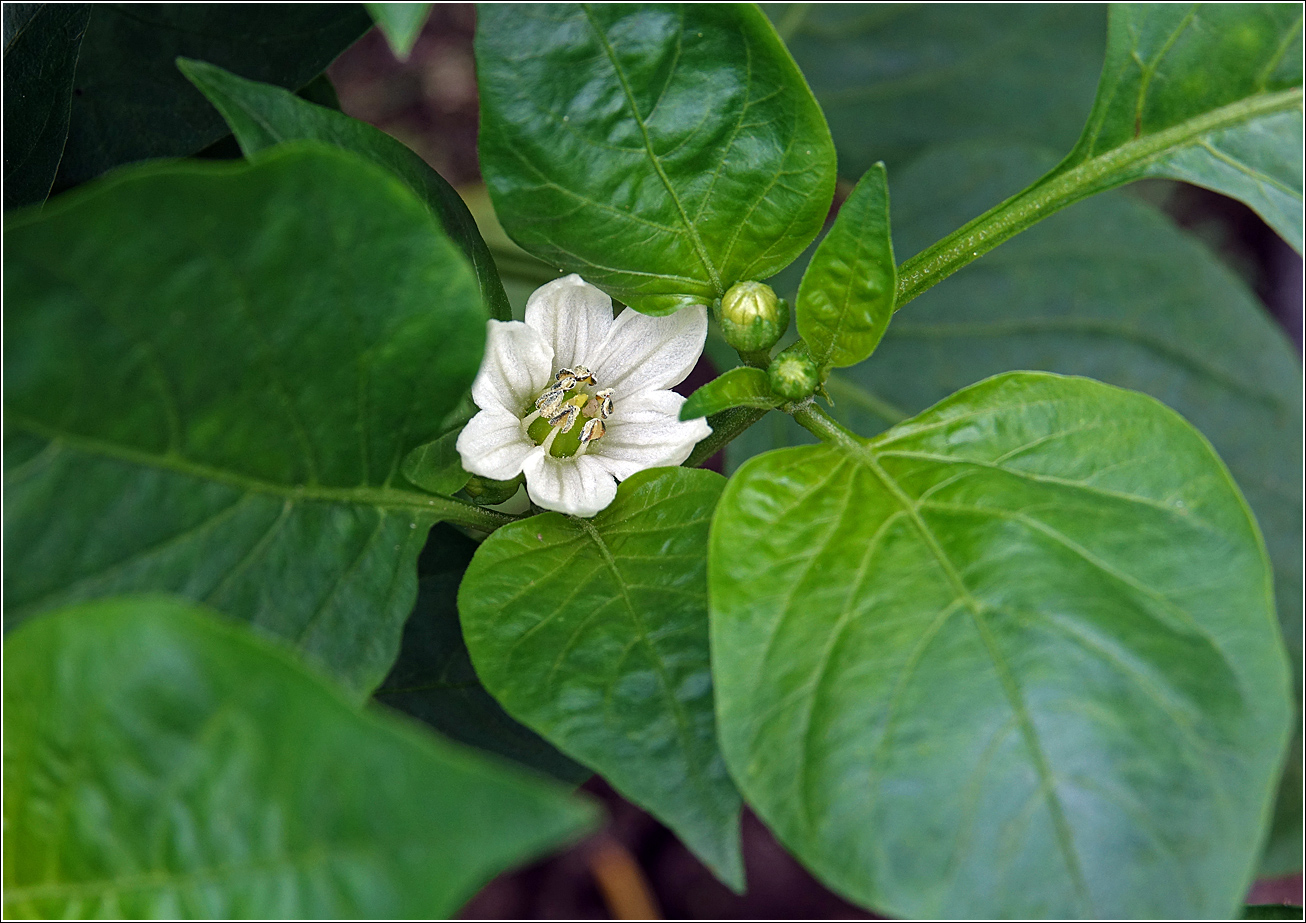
(578, 400)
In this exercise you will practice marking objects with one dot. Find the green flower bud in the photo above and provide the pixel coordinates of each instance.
(487, 492)
(793, 374)
(752, 317)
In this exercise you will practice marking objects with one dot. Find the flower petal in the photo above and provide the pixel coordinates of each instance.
(643, 353)
(645, 431)
(493, 445)
(518, 364)
(580, 486)
(573, 316)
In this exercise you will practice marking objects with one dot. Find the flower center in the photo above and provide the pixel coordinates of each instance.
(551, 421)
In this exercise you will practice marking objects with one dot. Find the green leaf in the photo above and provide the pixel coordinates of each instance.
(1013, 658)
(897, 79)
(594, 633)
(1208, 93)
(262, 116)
(662, 151)
(161, 763)
(433, 679)
(437, 466)
(739, 387)
(1110, 290)
(212, 374)
(400, 23)
(129, 101)
(846, 297)
(41, 43)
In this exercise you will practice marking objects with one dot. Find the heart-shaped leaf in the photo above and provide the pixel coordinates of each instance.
(212, 374)
(593, 632)
(1113, 290)
(1015, 657)
(662, 151)
(162, 763)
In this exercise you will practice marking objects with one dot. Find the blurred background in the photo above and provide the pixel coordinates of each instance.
(636, 868)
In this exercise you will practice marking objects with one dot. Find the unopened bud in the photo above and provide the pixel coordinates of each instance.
(752, 317)
(793, 374)
(487, 492)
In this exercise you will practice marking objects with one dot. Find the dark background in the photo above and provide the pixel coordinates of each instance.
(635, 867)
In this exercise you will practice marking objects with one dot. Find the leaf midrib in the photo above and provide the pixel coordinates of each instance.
(866, 456)
(677, 708)
(690, 229)
(382, 498)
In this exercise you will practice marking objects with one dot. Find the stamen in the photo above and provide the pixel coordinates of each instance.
(565, 418)
(563, 412)
(553, 396)
(594, 429)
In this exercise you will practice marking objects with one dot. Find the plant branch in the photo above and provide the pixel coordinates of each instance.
(726, 425)
(820, 424)
(1057, 190)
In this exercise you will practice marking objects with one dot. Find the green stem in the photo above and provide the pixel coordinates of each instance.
(726, 425)
(1059, 189)
(825, 427)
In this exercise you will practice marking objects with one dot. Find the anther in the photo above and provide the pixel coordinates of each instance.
(565, 418)
(593, 429)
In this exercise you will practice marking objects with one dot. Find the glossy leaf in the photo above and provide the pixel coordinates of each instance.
(741, 387)
(662, 151)
(1208, 93)
(400, 23)
(1015, 657)
(433, 679)
(1110, 290)
(895, 80)
(162, 763)
(262, 116)
(846, 297)
(129, 101)
(41, 43)
(212, 374)
(594, 633)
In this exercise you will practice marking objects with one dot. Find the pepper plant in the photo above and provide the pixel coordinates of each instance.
(980, 624)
